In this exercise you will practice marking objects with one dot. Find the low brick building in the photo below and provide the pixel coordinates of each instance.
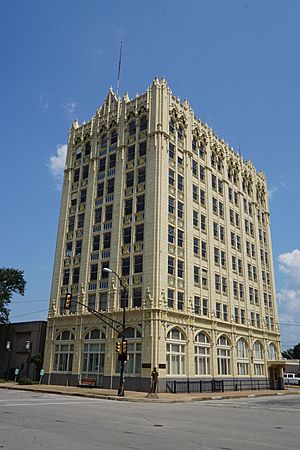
(18, 343)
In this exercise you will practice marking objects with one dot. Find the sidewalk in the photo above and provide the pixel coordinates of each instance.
(134, 396)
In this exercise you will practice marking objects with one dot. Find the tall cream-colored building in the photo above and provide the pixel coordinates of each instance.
(152, 193)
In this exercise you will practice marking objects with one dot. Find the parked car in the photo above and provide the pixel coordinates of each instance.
(291, 378)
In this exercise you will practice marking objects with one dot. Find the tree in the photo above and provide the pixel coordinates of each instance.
(11, 282)
(292, 353)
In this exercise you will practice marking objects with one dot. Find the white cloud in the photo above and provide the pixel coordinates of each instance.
(57, 162)
(43, 103)
(289, 297)
(272, 191)
(70, 107)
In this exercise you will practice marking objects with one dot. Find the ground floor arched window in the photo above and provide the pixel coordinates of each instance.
(258, 358)
(242, 357)
(63, 352)
(175, 352)
(93, 355)
(202, 354)
(223, 355)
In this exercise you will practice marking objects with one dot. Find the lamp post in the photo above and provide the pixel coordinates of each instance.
(123, 355)
(8, 348)
(28, 347)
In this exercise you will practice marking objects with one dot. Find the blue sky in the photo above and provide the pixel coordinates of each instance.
(237, 62)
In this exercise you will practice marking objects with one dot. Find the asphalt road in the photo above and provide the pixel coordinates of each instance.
(46, 421)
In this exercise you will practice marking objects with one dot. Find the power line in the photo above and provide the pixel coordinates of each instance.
(28, 314)
(28, 301)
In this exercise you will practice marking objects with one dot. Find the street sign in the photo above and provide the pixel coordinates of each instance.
(42, 372)
(17, 371)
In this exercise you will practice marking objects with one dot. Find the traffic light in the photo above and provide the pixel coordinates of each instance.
(118, 347)
(124, 348)
(68, 300)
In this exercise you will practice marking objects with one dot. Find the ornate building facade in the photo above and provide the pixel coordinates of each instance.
(153, 194)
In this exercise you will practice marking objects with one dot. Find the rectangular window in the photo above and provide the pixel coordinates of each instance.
(102, 164)
(128, 207)
(140, 203)
(98, 215)
(196, 275)
(103, 301)
(205, 307)
(217, 282)
(171, 151)
(85, 172)
(223, 259)
(78, 248)
(125, 269)
(180, 268)
(203, 249)
(180, 210)
(236, 315)
(242, 316)
(129, 179)
(76, 175)
(142, 175)
(104, 265)
(195, 168)
(195, 218)
(112, 161)
(203, 222)
(202, 197)
(233, 260)
(131, 153)
(106, 240)
(75, 278)
(196, 246)
(222, 234)
(100, 189)
(108, 212)
(170, 298)
(92, 301)
(138, 264)
(213, 181)
(142, 149)
(220, 187)
(225, 313)
(204, 279)
(69, 249)
(215, 230)
(83, 196)
(137, 297)
(94, 272)
(215, 205)
(221, 210)
(180, 238)
(96, 243)
(127, 235)
(218, 310)
(216, 255)
(171, 177)
(110, 186)
(71, 223)
(171, 205)
(241, 291)
(80, 221)
(171, 234)
(66, 277)
(197, 305)
(202, 173)
(139, 233)
(171, 266)
(224, 285)
(195, 193)
(180, 183)
(180, 301)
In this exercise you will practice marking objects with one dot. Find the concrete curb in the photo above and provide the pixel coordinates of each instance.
(187, 399)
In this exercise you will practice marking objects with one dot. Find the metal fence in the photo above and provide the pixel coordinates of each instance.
(232, 384)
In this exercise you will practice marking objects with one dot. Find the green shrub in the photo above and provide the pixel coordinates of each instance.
(26, 380)
(2, 380)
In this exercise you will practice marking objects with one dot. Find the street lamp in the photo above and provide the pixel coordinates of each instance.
(123, 355)
(8, 348)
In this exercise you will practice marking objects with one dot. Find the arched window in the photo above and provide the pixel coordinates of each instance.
(63, 352)
(223, 355)
(242, 357)
(194, 145)
(143, 123)
(175, 352)
(103, 142)
(134, 351)
(93, 355)
(132, 128)
(113, 137)
(272, 352)
(78, 152)
(258, 358)
(202, 354)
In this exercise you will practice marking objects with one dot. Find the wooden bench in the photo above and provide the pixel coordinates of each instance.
(88, 382)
